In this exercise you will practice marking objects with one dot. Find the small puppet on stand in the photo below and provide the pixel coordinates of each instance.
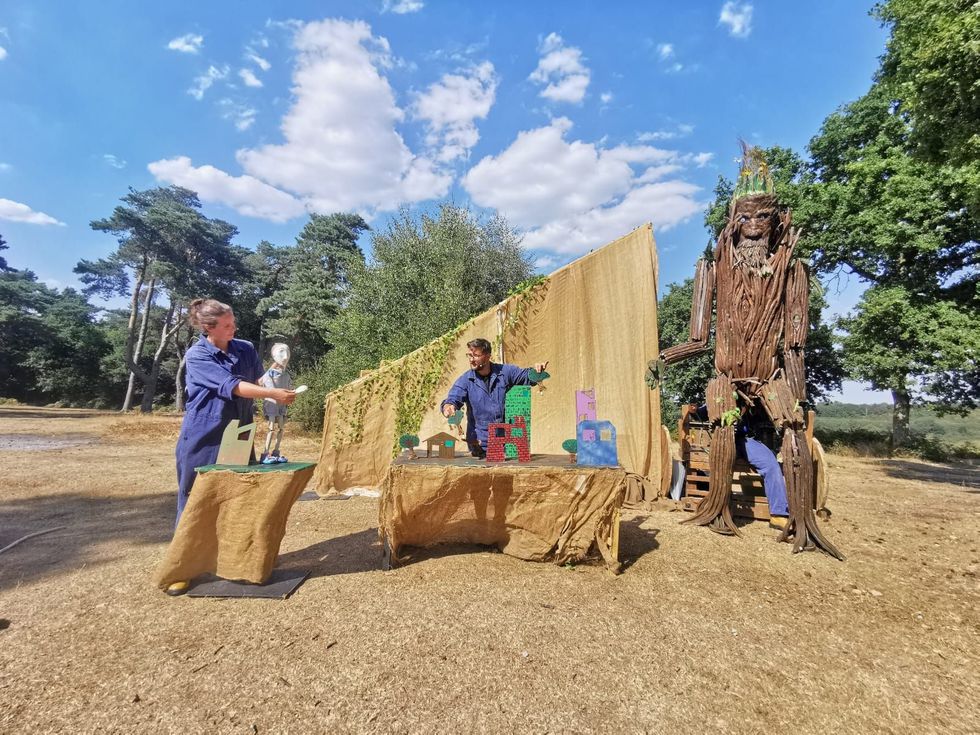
(275, 413)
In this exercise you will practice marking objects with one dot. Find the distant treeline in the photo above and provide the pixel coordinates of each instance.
(926, 421)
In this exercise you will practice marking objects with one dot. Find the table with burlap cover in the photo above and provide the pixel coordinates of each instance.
(233, 522)
(544, 510)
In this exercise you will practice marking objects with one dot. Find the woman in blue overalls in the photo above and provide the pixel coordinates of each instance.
(222, 373)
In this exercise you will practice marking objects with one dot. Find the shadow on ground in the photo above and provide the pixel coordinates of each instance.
(948, 474)
(350, 554)
(88, 522)
(636, 541)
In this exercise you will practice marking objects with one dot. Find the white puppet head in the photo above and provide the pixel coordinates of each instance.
(280, 353)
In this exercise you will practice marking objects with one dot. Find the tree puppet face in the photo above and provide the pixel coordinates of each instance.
(280, 353)
(755, 218)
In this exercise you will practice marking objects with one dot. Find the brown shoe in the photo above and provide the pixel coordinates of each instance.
(177, 588)
(778, 522)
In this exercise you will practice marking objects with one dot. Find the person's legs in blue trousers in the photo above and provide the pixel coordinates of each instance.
(763, 461)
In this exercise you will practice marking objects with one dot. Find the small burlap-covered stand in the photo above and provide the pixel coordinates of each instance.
(233, 522)
(545, 510)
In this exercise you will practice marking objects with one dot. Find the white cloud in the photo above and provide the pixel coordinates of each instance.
(189, 43)
(738, 18)
(545, 263)
(245, 194)
(257, 60)
(681, 131)
(666, 204)
(17, 212)
(248, 76)
(4, 167)
(203, 83)
(401, 7)
(242, 116)
(561, 71)
(666, 50)
(451, 107)
(341, 150)
(113, 160)
(573, 195)
(606, 97)
(3, 53)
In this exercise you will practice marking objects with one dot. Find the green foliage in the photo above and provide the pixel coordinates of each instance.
(408, 441)
(306, 286)
(683, 382)
(889, 217)
(570, 446)
(427, 275)
(165, 247)
(932, 66)
(897, 341)
(729, 417)
(50, 343)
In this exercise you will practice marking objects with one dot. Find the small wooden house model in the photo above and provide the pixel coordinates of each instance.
(445, 443)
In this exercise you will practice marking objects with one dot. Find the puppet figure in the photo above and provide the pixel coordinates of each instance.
(761, 295)
(275, 413)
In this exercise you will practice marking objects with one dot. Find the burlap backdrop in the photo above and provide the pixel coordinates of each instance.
(595, 321)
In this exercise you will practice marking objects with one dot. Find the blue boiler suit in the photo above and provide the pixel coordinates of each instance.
(211, 377)
(484, 404)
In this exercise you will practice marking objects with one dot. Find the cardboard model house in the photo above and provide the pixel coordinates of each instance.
(597, 444)
(500, 436)
(444, 443)
(585, 405)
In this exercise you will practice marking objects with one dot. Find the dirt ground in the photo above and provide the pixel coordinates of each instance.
(700, 633)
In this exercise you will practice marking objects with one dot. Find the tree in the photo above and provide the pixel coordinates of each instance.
(905, 227)
(427, 274)
(686, 381)
(66, 364)
(932, 66)
(50, 343)
(890, 218)
(168, 247)
(309, 283)
(913, 347)
(4, 268)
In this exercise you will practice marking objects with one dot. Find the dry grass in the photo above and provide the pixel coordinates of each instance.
(700, 633)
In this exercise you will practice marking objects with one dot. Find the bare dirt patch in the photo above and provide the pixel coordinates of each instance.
(700, 633)
(41, 443)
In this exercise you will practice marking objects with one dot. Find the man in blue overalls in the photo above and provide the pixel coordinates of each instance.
(761, 459)
(483, 390)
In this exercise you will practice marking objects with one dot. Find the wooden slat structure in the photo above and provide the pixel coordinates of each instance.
(748, 494)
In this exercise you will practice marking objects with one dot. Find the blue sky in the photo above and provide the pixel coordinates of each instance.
(577, 120)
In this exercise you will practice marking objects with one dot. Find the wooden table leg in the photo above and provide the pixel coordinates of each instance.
(385, 554)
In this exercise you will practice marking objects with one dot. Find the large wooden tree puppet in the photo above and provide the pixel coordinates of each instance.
(761, 293)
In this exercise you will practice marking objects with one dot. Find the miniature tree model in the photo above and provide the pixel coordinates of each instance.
(761, 294)
(570, 446)
(409, 442)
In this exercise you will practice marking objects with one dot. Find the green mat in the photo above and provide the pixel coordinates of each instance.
(243, 468)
